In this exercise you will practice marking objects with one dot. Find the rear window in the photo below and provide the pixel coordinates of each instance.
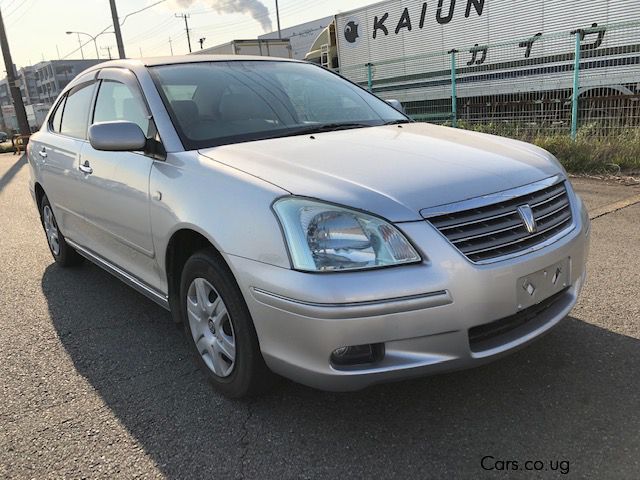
(57, 116)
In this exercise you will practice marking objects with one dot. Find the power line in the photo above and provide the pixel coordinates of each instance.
(8, 4)
(121, 23)
(151, 31)
(162, 45)
(15, 9)
(25, 11)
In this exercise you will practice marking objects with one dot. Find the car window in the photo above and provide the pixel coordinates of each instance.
(57, 116)
(117, 101)
(317, 100)
(76, 111)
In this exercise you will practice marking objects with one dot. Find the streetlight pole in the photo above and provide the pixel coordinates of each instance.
(95, 43)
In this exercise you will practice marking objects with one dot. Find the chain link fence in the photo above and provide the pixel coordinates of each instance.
(580, 82)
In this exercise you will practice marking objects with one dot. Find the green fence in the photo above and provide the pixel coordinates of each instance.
(586, 79)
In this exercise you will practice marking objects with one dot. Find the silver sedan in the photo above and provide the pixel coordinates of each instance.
(296, 224)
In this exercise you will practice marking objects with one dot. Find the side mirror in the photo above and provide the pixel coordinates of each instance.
(117, 137)
(397, 105)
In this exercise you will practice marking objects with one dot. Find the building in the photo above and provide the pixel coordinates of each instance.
(53, 75)
(40, 85)
(301, 36)
(27, 84)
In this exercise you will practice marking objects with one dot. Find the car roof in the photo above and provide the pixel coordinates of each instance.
(180, 59)
(137, 64)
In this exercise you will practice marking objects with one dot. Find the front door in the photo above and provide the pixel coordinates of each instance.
(117, 183)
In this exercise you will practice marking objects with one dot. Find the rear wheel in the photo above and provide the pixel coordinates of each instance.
(63, 254)
(220, 329)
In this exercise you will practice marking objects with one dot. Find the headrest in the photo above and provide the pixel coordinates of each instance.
(186, 111)
(238, 107)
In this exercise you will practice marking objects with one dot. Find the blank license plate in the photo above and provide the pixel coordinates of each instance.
(538, 286)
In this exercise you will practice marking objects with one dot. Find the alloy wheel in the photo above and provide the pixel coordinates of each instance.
(51, 229)
(211, 327)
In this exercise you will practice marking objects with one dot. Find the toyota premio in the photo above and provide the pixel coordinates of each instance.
(296, 224)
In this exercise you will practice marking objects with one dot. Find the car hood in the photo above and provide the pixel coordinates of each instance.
(393, 171)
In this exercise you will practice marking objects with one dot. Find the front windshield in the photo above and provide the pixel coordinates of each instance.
(218, 103)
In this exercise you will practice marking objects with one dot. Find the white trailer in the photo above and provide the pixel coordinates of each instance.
(301, 36)
(261, 47)
(503, 46)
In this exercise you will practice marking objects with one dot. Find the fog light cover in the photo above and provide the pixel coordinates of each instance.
(357, 354)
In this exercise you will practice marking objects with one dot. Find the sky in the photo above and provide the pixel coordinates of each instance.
(37, 28)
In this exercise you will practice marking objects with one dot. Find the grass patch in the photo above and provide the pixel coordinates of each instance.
(592, 152)
(611, 154)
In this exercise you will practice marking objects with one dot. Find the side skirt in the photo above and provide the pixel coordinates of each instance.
(133, 282)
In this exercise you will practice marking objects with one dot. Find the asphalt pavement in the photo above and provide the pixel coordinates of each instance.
(97, 382)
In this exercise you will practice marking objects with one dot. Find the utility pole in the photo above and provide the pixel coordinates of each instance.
(108, 49)
(16, 94)
(80, 43)
(278, 19)
(201, 42)
(116, 29)
(186, 26)
(171, 46)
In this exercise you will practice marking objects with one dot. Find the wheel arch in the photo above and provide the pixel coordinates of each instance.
(39, 191)
(183, 243)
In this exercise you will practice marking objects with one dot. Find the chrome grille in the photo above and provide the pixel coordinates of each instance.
(497, 230)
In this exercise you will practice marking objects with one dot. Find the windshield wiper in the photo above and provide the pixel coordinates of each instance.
(331, 127)
(398, 122)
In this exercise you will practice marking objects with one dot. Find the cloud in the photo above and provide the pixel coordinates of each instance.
(258, 11)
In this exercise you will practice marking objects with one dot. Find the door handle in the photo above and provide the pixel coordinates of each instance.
(43, 152)
(86, 168)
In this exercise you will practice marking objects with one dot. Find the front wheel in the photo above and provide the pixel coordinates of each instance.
(220, 329)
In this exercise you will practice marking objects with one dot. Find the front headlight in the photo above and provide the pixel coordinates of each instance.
(323, 237)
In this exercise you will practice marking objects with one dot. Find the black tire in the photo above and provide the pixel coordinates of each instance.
(250, 375)
(65, 256)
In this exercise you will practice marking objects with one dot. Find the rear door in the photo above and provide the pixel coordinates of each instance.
(58, 152)
(117, 188)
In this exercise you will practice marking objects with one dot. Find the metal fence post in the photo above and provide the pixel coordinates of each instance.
(576, 86)
(454, 91)
(370, 76)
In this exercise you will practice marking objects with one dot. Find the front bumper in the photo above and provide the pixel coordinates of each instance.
(421, 313)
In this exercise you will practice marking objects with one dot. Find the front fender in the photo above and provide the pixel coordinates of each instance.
(230, 208)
